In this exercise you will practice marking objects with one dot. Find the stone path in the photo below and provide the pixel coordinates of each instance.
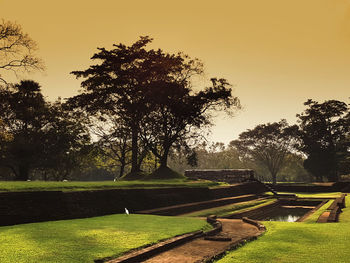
(201, 250)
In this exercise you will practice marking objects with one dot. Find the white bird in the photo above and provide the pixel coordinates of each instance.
(126, 211)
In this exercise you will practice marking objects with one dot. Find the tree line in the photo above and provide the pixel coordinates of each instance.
(137, 102)
(141, 111)
(321, 138)
(317, 148)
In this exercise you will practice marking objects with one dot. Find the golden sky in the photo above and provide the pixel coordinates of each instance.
(276, 53)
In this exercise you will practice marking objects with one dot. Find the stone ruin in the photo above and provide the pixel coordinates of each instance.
(230, 176)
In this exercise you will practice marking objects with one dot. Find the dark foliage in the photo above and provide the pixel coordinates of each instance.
(268, 144)
(148, 93)
(325, 131)
(16, 51)
(43, 136)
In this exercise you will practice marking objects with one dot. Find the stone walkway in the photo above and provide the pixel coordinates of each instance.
(201, 250)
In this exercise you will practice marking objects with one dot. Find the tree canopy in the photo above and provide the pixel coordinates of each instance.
(17, 51)
(268, 144)
(44, 135)
(325, 131)
(150, 93)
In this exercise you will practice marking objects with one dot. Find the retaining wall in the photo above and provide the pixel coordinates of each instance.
(221, 175)
(27, 207)
(304, 188)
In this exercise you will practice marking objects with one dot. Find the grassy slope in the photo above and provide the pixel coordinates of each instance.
(321, 195)
(313, 218)
(82, 240)
(298, 242)
(232, 208)
(7, 186)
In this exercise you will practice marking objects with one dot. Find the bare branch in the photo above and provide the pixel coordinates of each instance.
(17, 50)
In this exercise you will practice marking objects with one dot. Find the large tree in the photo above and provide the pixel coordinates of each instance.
(66, 141)
(44, 135)
(148, 91)
(113, 144)
(268, 144)
(17, 51)
(115, 86)
(176, 112)
(4, 134)
(325, 128)
(23, 110)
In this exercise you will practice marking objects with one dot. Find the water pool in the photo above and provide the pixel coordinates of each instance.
(285, 214)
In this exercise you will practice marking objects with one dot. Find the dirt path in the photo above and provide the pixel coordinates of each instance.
(200, 250)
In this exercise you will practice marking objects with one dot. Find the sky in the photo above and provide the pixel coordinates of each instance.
(276, 54)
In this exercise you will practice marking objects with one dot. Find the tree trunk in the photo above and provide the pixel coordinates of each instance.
(122, 168)
(141, 157)
(164, 159)
(134, 149)
(45, 175)
(13, 170)
(319, 178)
(23, 173)
(274, 178)
(333, 177)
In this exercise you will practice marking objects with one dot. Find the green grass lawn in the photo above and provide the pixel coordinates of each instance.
(321, 195)
(83, 240)
(8, 186)
(305, 242)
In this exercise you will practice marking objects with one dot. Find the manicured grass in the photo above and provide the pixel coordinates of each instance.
(83, 240)
(298, 243)
(8, 186)
(321, 195)
(232, 208)
(313, 218)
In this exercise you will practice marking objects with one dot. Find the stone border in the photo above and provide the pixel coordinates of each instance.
(256, 223)
(139, 255)
(331, 214)
(217, 226)
(234, 246)
(242, 241)
(304, 217)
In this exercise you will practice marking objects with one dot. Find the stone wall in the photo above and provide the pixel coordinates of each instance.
(27, 207)
(294, 188)
(230, 176)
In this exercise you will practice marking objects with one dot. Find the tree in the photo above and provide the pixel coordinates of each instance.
(268, 144)
(293, 170)
(176, 112)
(23, 110)
(115, 87)
(66, 141)
(148, 88)
(114, 144)
(16, 50)
(4, 135)
(45, 136)
(324, 130)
